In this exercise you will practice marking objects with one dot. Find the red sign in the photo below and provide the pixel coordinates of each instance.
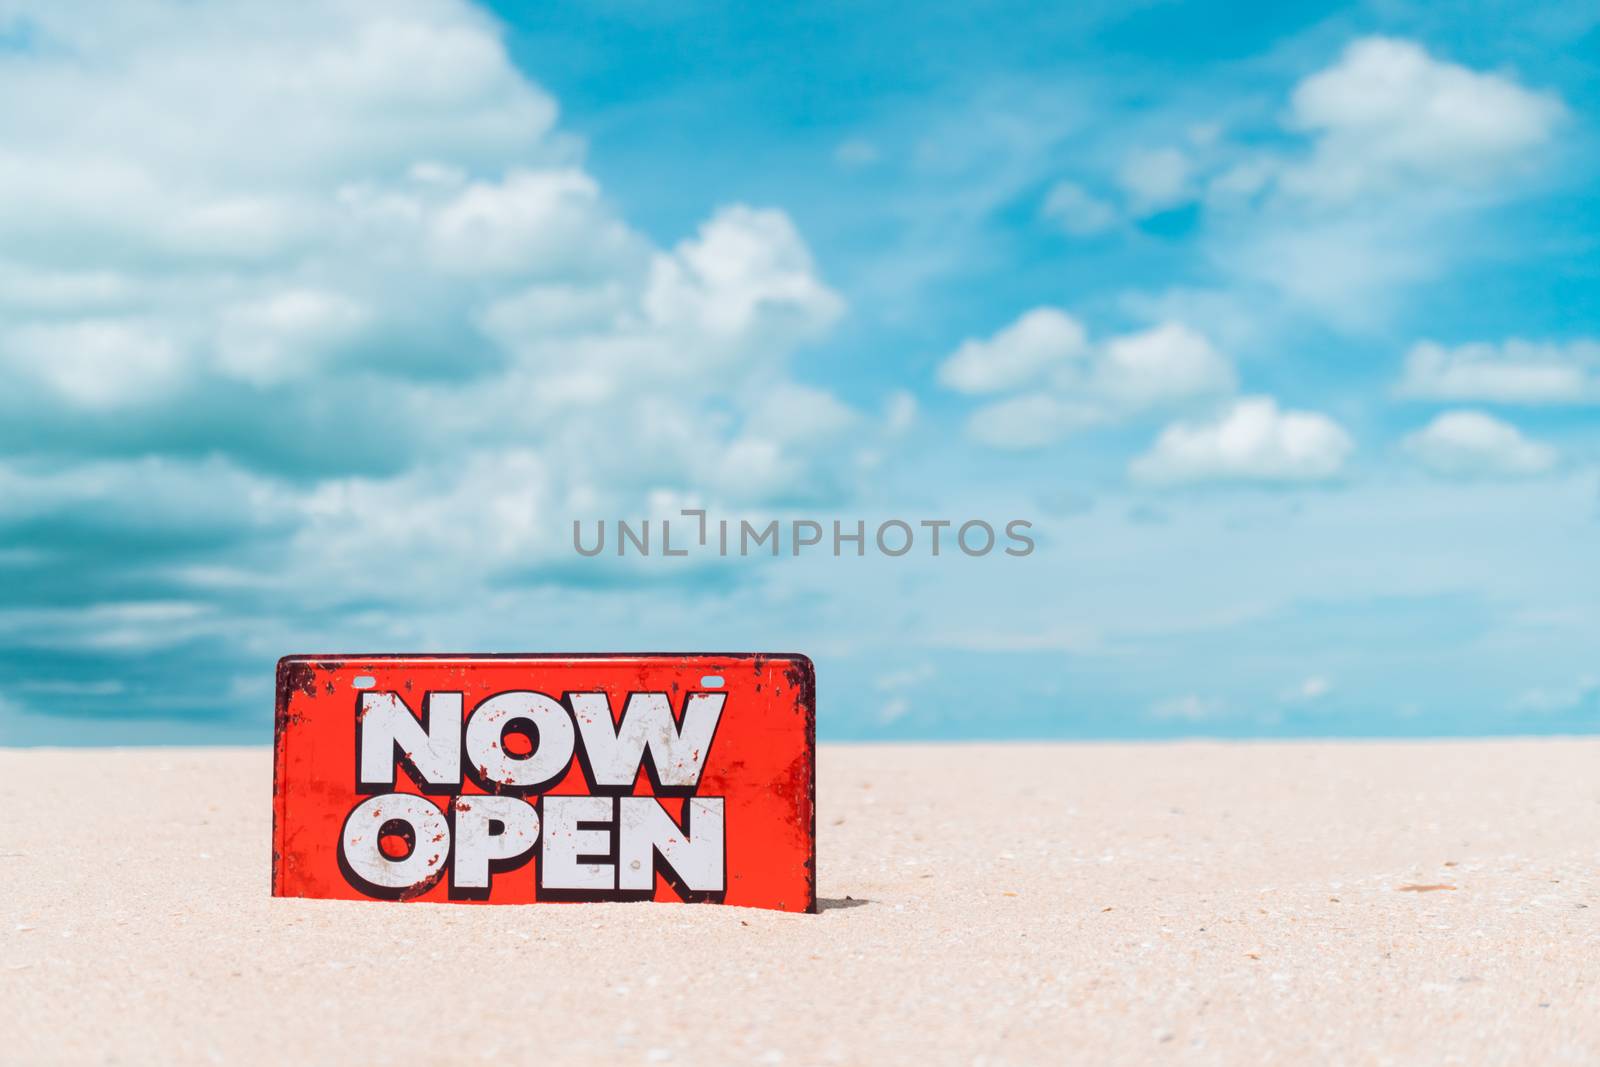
(513, 779)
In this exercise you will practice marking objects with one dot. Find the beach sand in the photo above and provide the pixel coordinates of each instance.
(1195, 903)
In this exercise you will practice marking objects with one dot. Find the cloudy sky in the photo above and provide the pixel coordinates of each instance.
(320, 324)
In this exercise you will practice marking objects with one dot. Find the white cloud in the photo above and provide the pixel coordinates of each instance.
(1031, 420)
(893, 710)
(719, 310)
(1162, 364)
(1076, 384)
(904, 679)
(792, 412)
(1253, 441)
(96, 363)
(1394, 155)
(365, 523)
(1309, 690)
(1513, 372)
(1548, 701)
(746, 276)
(1156, 179)
(140, 496)
(856, 153)
(124, 626)
(1465, 444)
(539, 223)
(281, 336)
(1078, 211)
(895, 687)
(1188, 708)
(1021, 353)
(899, 412)
(1389, 112)
(1239, 183)
(1349, 269)
(147, 147)
(348, 250)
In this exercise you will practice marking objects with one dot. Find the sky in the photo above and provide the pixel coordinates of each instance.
(1280, 325)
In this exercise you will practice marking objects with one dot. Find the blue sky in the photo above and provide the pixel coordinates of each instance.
(1281, 325)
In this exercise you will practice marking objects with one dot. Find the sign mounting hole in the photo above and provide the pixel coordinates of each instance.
(711, 681)
(364, 681)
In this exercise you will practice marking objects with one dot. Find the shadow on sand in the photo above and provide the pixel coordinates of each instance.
(831, 903)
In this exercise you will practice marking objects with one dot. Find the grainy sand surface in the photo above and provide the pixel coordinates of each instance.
(1193, 903)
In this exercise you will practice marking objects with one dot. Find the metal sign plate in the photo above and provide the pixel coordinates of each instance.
(511, 779)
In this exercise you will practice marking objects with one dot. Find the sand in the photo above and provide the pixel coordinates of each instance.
(1191, 903)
